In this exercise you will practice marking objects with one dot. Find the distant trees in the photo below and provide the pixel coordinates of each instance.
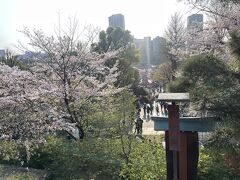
(119, 39)
(222, 19)
(163, 73)
(172, 48)
(175, 35)
(113, 39)
(159, 51)
(11, 60)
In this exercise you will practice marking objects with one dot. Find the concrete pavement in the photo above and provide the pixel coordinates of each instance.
(148, 124)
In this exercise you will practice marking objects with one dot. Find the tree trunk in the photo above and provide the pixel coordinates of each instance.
(174, 66)
(80, 132)
(70, 135)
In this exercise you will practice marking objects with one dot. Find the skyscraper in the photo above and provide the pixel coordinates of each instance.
(195, 21)
(152, 52)
(194, 28)
(117, 20)
(159, 50)
(145, 48)
(2, 54)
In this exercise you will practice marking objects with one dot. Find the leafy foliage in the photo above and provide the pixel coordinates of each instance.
(175, 33)
(119, 39)
(66, 159)
(163, 73)
(94, 158)
(212, 166)
(147, 161)
(213, 86)
(234, 43)
(10, 153)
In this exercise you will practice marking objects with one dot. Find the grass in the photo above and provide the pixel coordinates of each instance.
(8, 172)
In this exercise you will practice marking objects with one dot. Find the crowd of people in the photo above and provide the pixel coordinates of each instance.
(149, 106)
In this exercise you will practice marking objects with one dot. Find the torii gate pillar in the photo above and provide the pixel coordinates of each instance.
(181, 138)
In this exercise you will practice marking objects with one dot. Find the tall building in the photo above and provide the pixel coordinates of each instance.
(145, 48)
(194, 29)
(117, 20)
(156, 50)
(159, 51)
(195, 21)
(2, 54)
(152, 52)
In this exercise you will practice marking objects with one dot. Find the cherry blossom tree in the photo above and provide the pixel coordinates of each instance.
(79, 74)
(25, 112)
(221, 19)
(62, 77)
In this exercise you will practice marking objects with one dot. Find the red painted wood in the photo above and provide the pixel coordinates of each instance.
(174, 129)
(193, 154)
(169, 157)
(183, 157)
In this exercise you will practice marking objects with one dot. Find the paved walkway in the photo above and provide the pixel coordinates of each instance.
(148, 124)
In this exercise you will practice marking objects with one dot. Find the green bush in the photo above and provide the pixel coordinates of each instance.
(10, 153)
(88, 159)
(147, 161)
(10, 172)
(101, 158)
(20, 176)
(212, 166)
(15, 154)
(95, 158)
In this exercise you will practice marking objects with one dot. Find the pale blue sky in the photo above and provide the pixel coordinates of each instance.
(142, 17)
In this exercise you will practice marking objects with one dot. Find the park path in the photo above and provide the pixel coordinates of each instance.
(148, 124)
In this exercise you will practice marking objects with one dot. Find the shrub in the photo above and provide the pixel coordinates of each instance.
(212, 166)
(94, 158)
(147, 161)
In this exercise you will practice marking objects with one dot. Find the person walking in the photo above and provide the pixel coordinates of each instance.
(157, 109)
(138, 104)
(162, 105)
(144, 109)
(139, 112)
(139, 124)
(151, 108)
(165, 108)
(148, 109)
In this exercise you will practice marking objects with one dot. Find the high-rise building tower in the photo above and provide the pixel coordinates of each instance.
(159, 52)
(2, 54)
(145, 49)
(194, 28)
(195, 21)
(117, 20)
